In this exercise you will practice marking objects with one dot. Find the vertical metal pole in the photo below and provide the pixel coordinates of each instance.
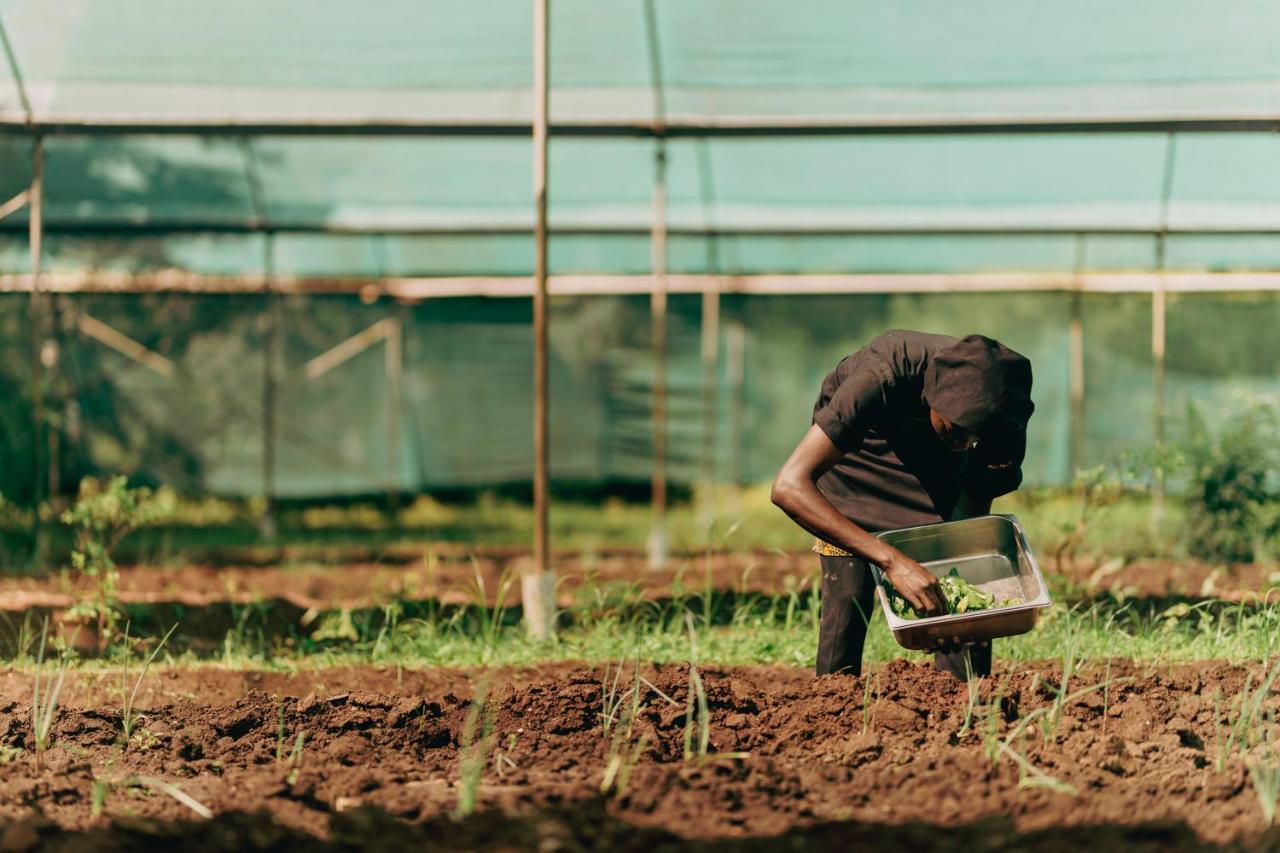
(538, 586)
(658, 295)
(1075, 336)
(1158, 312)
(658, 310)
(35, 238)
(735, 346)
(270, 378)
(394, 366)
(710, 328)
(541, 86)
(710, 375)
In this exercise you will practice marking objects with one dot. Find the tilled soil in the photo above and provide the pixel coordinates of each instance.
(785, 755)
(458, 577)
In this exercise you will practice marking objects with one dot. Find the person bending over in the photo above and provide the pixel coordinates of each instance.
(914, 428)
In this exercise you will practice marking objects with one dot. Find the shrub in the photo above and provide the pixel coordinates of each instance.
(1233, 497)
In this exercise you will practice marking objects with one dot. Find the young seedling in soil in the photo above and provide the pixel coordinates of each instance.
(44, 696)
(279, 730)
(1265, 775)
(295, 759)
(697, 712)
(1030, 776)
(624, 748)
(476, 741)
(992, 715)
(868, 707)
(502, 760)
(104, 787)
(101, 517)
(1245, 729)
(972, 688)
(129, 713)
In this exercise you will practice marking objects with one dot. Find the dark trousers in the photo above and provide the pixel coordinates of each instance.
(848, 599)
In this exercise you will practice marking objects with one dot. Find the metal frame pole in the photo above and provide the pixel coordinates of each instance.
(271, 375)
(538, 583)
(658, 311)
(35, 238)
(710, 328)
(394, 353)
(1075, 347)
(542, 85)
(1158, 318)
(657, 545)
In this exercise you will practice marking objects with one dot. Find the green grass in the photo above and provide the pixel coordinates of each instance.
(739, 630)
(743, 519)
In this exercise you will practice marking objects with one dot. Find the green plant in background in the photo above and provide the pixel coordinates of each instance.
(1233, 492)
(1093, 489)
(102, 516)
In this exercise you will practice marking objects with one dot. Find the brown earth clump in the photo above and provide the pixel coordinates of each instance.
(905, 756)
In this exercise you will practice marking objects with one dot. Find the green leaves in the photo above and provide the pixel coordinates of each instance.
(962, 597)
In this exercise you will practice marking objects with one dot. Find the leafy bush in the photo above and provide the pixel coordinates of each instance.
(1232, 488)
(103, 514)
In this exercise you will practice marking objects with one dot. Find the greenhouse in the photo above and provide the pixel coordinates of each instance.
(284, 253)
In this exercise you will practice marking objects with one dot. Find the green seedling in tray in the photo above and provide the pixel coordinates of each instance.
(961, 596)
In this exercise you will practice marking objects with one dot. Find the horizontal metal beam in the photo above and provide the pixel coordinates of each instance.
(711, 127)
(413, 289)
(139, 229)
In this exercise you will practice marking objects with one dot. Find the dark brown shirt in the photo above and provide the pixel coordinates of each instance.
(896, 472)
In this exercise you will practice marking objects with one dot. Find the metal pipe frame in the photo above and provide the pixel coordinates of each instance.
(538, 133)
(674, 128)
(411, 289)
(108, 229)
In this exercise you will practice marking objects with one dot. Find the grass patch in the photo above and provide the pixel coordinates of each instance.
(735, 628)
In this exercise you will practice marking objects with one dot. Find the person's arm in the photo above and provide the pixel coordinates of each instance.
(795, 492)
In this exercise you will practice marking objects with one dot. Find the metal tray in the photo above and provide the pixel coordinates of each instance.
(989, 551)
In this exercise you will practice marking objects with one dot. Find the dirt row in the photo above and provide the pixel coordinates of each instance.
(460, 578)
(903, 750)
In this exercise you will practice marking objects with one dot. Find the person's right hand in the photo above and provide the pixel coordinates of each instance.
(916, 584)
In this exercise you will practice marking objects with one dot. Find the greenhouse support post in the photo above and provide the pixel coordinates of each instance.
(1158, 317)
(710, 372)
(658, 307)
(1075, 347)
(657, 545)
(538, 582)
(36, 239)
(394, 364)
(270, 383)
(710, 329)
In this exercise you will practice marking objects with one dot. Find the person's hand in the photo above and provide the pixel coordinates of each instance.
(916, 584)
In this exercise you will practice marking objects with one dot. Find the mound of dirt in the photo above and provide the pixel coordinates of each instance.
(734, 756)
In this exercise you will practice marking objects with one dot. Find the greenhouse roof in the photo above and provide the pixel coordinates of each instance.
(816, 137)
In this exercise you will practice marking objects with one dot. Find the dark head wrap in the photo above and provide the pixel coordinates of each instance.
(981, 385)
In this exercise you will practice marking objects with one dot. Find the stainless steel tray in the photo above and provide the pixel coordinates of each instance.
(989, 551)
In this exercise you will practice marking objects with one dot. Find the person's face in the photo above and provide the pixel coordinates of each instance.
(954, 437)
